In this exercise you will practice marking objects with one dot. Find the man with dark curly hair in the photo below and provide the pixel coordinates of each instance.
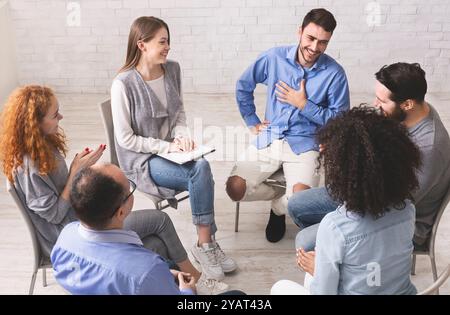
(365, 245)
(400, 94)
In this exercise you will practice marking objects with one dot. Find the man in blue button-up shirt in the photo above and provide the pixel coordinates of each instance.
(97, 256)
(305, 88)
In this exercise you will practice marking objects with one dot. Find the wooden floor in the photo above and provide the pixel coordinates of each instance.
(260, 263)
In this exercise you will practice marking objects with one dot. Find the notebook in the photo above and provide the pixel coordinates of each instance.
(184, 157)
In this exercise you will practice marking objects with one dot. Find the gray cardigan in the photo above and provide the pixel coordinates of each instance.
(146, 113)
(41, 195)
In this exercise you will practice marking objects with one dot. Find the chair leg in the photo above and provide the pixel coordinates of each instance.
(33, 280)
(236, 220)
(413, 267)
(44, 277)
(434, 270)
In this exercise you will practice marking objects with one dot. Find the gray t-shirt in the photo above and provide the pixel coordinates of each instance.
(41, 195)
(433, 141)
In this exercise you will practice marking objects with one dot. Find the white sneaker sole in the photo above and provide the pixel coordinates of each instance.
(229, 270)
(218, 277)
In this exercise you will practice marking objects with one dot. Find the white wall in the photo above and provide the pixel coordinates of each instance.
(8, 67)
(215, 40)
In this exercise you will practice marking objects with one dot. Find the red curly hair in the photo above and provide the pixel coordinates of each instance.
(21, 134)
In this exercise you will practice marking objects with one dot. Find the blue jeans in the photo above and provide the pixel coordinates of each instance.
(307, 208)
(194, 177)
(306, 238)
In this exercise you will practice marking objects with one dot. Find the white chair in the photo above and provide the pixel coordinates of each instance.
(434, 288)
(40, 260)
(429, 246)
(276, 180)
(106, 113)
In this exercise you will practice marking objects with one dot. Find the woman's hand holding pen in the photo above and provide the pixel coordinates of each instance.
(182, 144)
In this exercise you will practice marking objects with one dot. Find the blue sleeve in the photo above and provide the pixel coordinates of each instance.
(186, 292)
(329, 256)
(338, 101)
(160, 281)
(246, 84)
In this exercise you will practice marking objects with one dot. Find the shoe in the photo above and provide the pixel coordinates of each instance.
(210, 286)
(206, 256)
(276, 227)
(227, 263)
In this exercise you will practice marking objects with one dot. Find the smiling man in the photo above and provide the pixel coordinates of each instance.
(400, 91)
(305, 88)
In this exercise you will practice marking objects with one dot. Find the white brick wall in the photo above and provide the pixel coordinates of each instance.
(215, 40)
(8, 60)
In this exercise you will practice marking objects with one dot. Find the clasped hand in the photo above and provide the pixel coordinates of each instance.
(306, 260)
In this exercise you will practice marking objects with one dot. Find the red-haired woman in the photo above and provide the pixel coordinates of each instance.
(32, 153)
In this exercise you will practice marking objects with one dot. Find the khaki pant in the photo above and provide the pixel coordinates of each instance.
(256, 166)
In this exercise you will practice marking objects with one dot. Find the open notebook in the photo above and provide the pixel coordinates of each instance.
(181, 157)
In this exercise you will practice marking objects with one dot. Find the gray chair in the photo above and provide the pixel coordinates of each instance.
(276, 180)
(434, 288)
(429, 246)
(40, 260)
(106, 113)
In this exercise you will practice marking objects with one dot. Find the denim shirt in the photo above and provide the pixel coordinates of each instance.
(326, 88)
(361, 255)
(109, 262)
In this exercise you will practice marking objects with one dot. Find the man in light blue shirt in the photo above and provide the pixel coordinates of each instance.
(96, 256)
(305, 88)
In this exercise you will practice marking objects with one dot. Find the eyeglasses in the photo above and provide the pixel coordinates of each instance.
(132, 189)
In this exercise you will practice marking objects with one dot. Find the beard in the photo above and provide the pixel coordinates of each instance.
(305, 53)
(398, 114)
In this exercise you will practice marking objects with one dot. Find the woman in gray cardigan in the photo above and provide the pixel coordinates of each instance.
(149, 119)
(32, 152)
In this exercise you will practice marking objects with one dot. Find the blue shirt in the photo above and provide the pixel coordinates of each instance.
(109, 262)
(361, 255)
(326, 88)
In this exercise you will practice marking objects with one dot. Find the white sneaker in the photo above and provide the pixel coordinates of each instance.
(227, 263)
(206, 256)
(210, 286)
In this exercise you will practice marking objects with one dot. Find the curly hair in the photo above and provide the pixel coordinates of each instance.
(370, 161)
(21, 135)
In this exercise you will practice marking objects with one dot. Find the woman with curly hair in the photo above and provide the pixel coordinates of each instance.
(32, 152)
(365, 245)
